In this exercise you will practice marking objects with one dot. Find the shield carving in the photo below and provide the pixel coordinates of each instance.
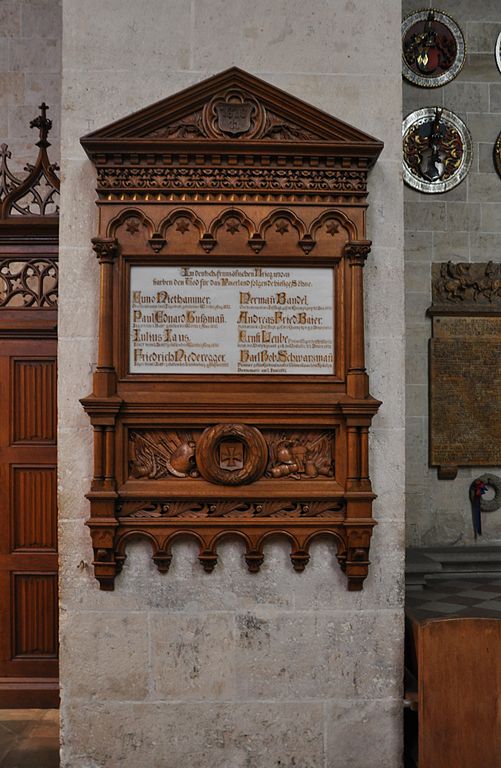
(231, 455)
(234, 118)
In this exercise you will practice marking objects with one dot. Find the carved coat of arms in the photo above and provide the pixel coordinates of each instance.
(234, 118)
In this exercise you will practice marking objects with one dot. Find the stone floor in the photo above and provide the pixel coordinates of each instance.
(29, 738)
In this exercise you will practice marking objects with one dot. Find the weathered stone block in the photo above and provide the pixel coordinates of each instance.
(381, 283)
(484, 127)
(77, 358)
(75, 474)
(10, 19)
(416, 399)
(294, 26)
(485, 246)
(495, 97)
(451, 246)
(193, 657)
(481, 36)
(35, 54)
(463, 216)
(491, 217)
(165, 27)
(380, 354)
(45, 86)
(354, 654)
(416, 304)
(11, 89)
(418, 246)
(366, 740)
(416, 276)
(484, 187)
(169, 735)
(425, 215)
(121, 636)
(468, 97)
(41, 18)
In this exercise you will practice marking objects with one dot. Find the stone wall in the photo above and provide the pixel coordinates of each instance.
(30, 72)
(231, 669)
(462, 225)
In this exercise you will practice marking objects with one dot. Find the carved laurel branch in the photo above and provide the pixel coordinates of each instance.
(230, 508)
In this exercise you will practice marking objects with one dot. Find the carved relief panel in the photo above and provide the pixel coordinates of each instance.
(231, 394)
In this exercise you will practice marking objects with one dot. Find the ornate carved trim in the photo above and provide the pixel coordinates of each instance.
(157, 454)
(231, 508)
(35, 195)
(231, 454)
(357, 252)
(306, 180)
(29, 282)
(352, 544)
(105, 248)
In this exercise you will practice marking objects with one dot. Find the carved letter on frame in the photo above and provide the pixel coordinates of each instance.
(230, 395)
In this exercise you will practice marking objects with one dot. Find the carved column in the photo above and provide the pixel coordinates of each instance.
(356, 252)
(364, 457)
(104, 377)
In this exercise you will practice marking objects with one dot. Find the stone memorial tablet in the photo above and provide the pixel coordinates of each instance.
(231, 320)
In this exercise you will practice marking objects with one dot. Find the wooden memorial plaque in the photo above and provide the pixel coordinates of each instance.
(230, 394)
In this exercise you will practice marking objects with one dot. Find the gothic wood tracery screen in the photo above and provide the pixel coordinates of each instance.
(28, 368)
(230, 394)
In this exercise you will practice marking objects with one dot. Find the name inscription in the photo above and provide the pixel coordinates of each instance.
(231, 320)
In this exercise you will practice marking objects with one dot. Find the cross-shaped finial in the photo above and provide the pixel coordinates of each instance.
(43, 124)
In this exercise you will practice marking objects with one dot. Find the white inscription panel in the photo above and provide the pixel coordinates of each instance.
(231, 320)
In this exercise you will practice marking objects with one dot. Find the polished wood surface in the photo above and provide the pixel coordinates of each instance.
(453, 638)
(28, 473)
(231, 172)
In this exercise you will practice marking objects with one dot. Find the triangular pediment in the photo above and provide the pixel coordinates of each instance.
(233, 106)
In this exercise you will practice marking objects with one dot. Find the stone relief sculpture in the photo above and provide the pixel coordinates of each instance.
(478, 283)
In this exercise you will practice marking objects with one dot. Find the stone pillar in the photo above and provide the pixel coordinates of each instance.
(230, 669)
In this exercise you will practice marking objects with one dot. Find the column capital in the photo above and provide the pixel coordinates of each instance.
(105, 248)
(357, 251)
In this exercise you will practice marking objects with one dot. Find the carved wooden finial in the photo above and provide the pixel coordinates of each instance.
(43, 124)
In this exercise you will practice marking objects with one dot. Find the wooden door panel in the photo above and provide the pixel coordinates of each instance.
(35, 597)
(33, 400)
(28, 519)
(34, 500)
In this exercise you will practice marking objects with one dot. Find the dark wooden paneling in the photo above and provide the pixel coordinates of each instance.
(34, 507)
(35, 611)
(34, 401)
(28, 518)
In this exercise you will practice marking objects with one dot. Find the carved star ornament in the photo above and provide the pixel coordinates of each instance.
(437, 148)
